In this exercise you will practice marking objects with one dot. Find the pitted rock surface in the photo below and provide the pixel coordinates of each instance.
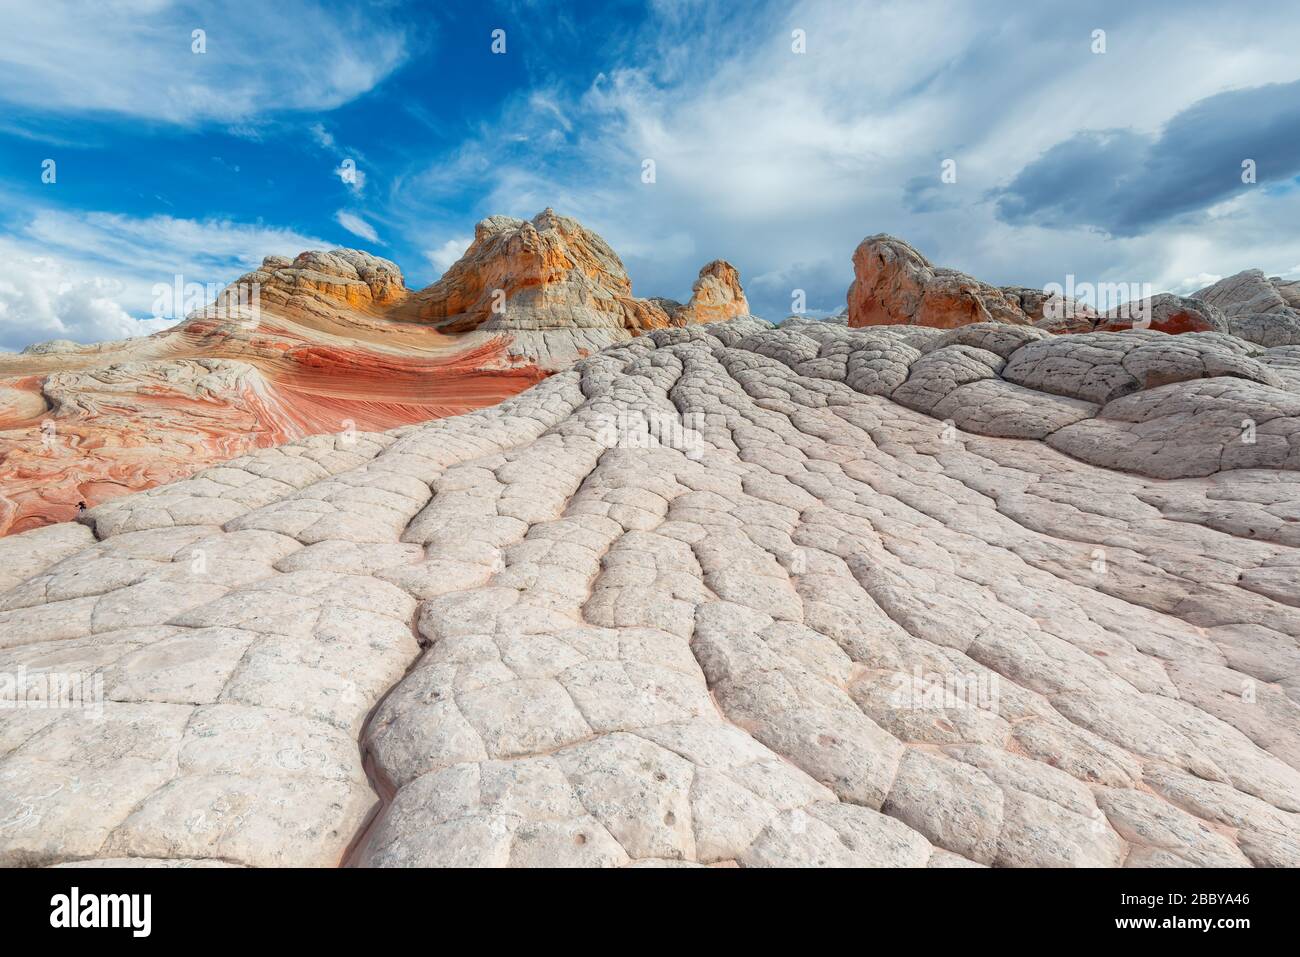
(719, 595)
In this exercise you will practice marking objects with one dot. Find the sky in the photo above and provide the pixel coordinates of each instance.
(1104, 141)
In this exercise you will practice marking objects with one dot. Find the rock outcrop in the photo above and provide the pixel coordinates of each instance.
(1252, 293)
(1258, 308)
(716, 296)
(547, 273)
(317, 282)
(720, 594)
(1165, 312)
(894, 284)
(324, 342)
(557, 291)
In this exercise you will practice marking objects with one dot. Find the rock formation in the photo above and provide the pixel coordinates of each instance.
(1261, 309)
(331, 341)
(895, 285)
(716, 296)
(559, 292)
(719, 594)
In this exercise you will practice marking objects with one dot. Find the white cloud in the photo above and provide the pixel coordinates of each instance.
(162, 244)
(356, 225)
(43, 298)
(135, 57)
(323, 137)
(1190, 284)
(90, 276)
(445, 256)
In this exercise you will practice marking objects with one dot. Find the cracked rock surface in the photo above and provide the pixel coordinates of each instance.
(719, 595)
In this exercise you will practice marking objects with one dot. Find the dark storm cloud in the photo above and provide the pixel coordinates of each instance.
(1125, 182)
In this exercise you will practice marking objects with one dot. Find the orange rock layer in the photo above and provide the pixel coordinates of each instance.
(162, 419)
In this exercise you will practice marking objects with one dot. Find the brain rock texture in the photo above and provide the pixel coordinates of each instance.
(722, 594)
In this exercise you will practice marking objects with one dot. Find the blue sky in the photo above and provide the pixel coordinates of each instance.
(1119, 166)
